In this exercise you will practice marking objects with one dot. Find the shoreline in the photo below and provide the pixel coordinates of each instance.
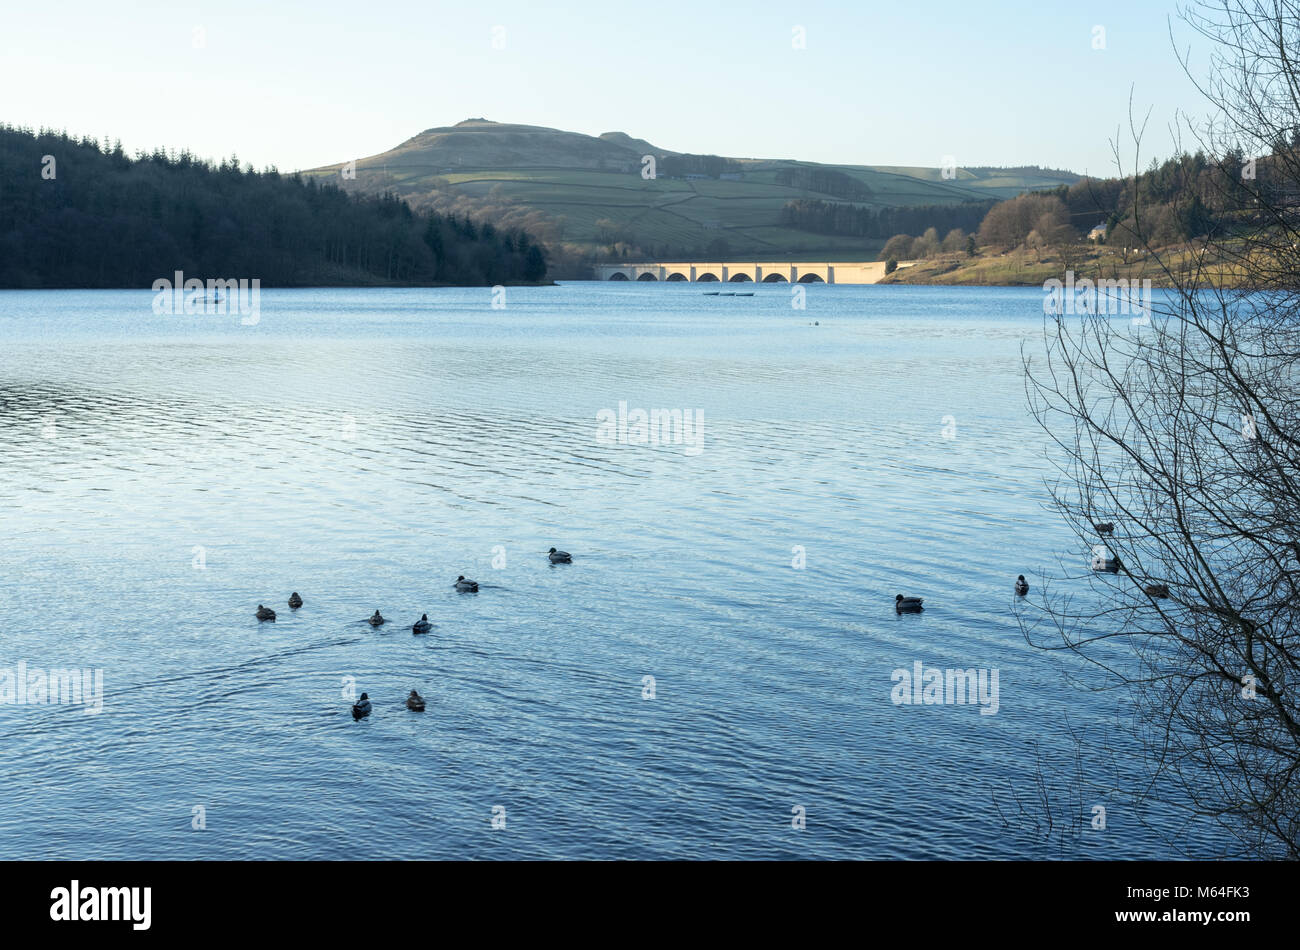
(1035, 269)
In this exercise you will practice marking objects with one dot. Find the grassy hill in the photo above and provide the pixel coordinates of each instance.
(587, 192)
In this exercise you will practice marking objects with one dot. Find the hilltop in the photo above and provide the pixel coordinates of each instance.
(588, 193)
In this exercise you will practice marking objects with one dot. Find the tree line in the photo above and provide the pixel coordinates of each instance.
(711, 166)
(826, 181)
(850, 220)
(75, 213)
(1190, 197)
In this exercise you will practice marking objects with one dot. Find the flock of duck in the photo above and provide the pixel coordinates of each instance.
(1100, 563)
(414, 702)
(903, 605)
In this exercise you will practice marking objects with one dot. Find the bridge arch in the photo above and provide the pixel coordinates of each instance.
(812, 279)
(706, 277)
(647, 276)
(774, 278)
(676, 276)
(738, 278)
(618, 275)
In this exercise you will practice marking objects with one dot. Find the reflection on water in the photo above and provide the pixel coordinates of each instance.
(164, 475)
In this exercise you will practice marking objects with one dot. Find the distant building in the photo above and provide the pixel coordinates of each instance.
(1097, 233)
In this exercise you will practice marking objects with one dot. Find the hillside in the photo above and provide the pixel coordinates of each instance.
(1191, 215)
(73, 214)
(587, 192)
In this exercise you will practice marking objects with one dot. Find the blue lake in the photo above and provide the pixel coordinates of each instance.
(160, 476)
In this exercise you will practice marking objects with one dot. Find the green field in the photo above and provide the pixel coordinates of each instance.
(588, 191)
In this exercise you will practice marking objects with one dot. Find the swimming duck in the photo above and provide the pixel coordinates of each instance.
(1104, 527)
(907, 605)
(422, 625)
(295, 601)
(361, 707)
(415, 702)
(1022, 585)
(560, 557)
(1158, 591)
(265, 613)
(1105, 565)
(466, 587)
(376, 620)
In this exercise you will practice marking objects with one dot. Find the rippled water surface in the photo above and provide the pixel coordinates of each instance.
(163, 475)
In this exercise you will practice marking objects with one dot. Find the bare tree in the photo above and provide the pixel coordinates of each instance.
(1176, 437)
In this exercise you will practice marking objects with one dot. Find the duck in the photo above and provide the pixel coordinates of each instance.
(466, 587)
(1104, 527)
(422, 625)
(361, 707)
(376, 620)
(1022, 585)
(560, 557)
(265, 613)
(1158, 591)
(415, 702)
(907, 605)
(295, 601)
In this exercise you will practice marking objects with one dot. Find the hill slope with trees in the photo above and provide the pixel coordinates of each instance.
(1113, 227)
(74, 213)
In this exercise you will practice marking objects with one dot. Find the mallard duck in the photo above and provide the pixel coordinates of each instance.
(376, 619)
(1104, 527)
(560, 557)
(361, 707)
(466, 587)
(1158, 591)
(907, 605)
(422, 625)
(295, 601)
(1022, 585)
(265, 613)
(415, 702)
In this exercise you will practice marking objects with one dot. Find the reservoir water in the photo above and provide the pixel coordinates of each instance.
(715, 669)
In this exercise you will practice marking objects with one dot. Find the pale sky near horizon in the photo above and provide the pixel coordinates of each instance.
(298, 85)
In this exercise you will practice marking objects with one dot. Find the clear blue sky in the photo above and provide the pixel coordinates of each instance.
(301, 84)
